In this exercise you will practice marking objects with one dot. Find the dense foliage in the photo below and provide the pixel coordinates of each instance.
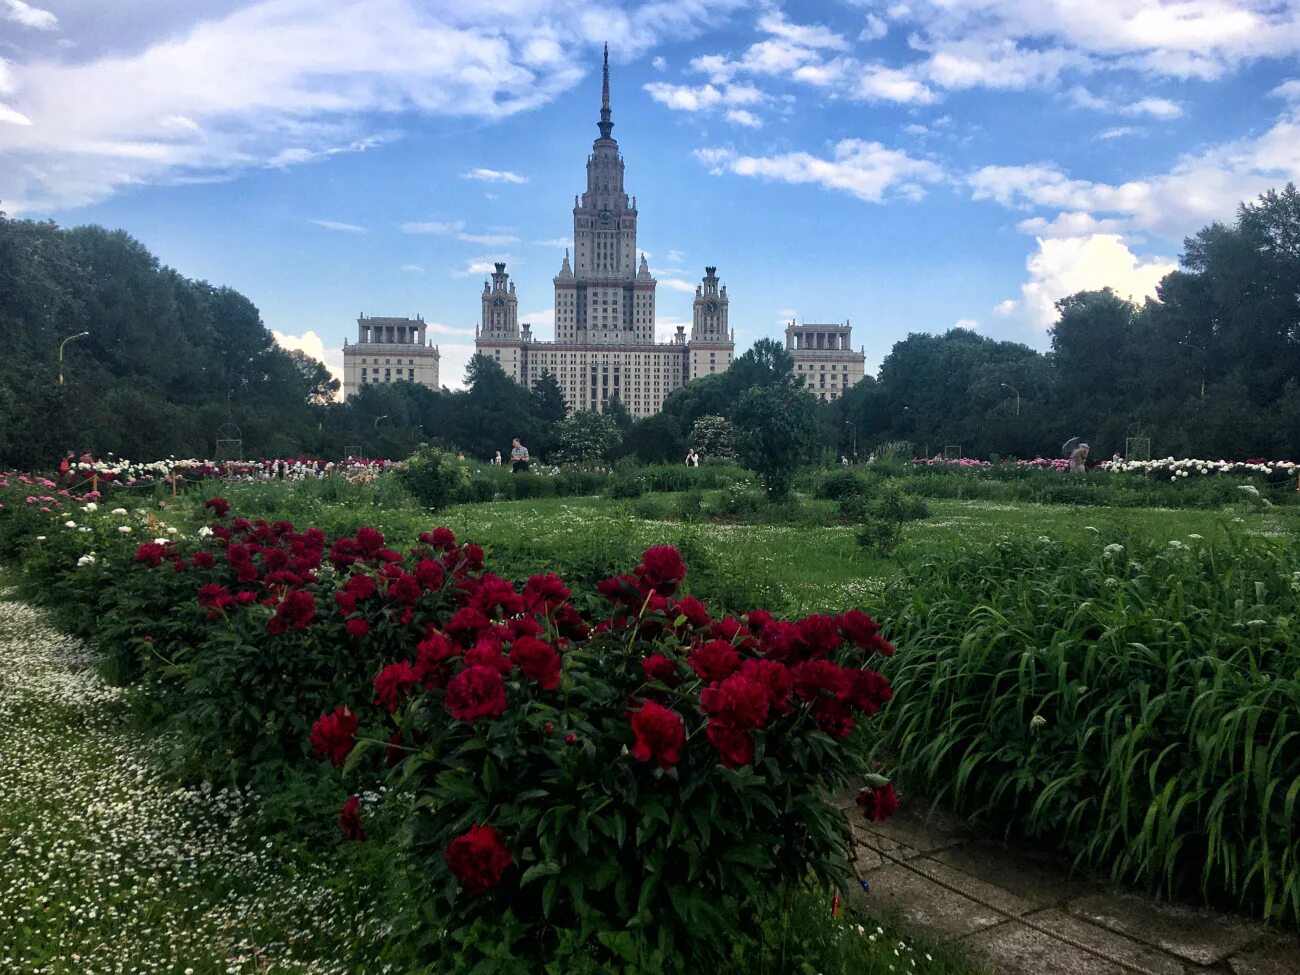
(1135, 704)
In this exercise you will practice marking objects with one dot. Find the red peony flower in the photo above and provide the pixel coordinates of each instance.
(878, 804)
(660, 735)
(733, 631)
(543, 593)
(775, 678)
(357, 627)
(466, 624)
(218, 506)
(782, 640)
(433, 658)
(661, 569)
(213, 596)
(476, 692)
(621, 590)
(488, 653)
(715, 660)
(294, 613)
(491, 592)
(439, 538)
(150, 553)
(537, 661)
(202, 560)
(738, 702)
(369, 541)
(832, 717)
(817, 678)
(393, 682)
(334, 735)
(696, 613)
(478, 858)
(350, 820)
(660, 668)
(473, 557)
(821, 634)
(405, 589)
(735, 748)
(430, 573)
(867, 691)
(860, 628)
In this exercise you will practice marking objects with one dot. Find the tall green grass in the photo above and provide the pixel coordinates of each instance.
(1136, 703)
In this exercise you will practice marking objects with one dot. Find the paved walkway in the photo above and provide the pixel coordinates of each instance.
(1023, 915)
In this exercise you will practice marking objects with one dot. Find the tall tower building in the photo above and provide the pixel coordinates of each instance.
(824, 358)
(605, 304)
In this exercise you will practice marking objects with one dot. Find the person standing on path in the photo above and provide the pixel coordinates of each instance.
(518, 457)
(1079, 459)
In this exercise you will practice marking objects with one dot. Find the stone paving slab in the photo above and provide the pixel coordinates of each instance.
(1280, 956)
(1032, 879)
(1016, 948)
(1203, 939)
(897, 891)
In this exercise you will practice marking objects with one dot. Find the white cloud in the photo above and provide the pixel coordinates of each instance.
(695, 98)
(666, 327)
(967, 323)
(676, 257)
(12, 117)
(805, 36)
(880, 84)
(288, 82)
(1065, 265)
(1073, 224)
(441, 227)
(876, 29)
(489, 240)
(412, 268)
(1006, 307)
(677, 284)
(867, 170)
(1290, 90)
(1002, 64)
(29, 16)
(1118, 132)
(742, 117)
(1161, 108)
(441, 329)
(1199, 189)
(545, 318)
(453, 359)
(658, 63)
(350, 228)
(481, 265)
(311, 344)
(555, 242)
(494, 176)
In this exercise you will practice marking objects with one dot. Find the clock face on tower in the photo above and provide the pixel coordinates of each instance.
(498, 302)
(605, 215)
(711, 306)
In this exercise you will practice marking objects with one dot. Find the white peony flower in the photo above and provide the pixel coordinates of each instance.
(205, 532)
(88, 559)
(118, 511)
(124, 529)
(162, 541)
(69, 524)
(40, 538)
(1037, 721)
(90, 506)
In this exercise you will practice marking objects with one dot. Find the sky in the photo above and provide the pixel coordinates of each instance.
(905, 166)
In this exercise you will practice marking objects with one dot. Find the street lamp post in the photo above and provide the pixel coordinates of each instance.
(1017, 392)
(378, 418)
(61, 345)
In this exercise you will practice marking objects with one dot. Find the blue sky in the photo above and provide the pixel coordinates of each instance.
(908, 166)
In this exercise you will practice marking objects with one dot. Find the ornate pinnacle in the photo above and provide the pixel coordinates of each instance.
(606, 124)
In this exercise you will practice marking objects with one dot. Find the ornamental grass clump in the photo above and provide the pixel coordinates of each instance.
(606, 782)
(1136, 704)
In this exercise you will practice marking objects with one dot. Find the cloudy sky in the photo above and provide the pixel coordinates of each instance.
(908, 166)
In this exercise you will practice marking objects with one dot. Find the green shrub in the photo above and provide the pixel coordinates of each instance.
(434, 477)
(527, 485)
(879, 536)
(893, 503)
(1136, 704)
(840, 484)
(627, 485)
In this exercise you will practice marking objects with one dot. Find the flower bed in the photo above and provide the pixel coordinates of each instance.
(583, 779)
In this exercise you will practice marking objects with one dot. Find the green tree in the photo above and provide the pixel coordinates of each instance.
(777, 425)
(656, 439)
(616, 411)
(714, 437)
(547, 399)
(587, 438)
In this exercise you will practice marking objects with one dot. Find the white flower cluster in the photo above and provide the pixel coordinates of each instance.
(1185, 467)
(287, 469)
(110, 869)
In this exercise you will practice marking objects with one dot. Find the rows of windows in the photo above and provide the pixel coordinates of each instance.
(387, 362)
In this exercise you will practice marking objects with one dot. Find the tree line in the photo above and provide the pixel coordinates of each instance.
(1210, 367)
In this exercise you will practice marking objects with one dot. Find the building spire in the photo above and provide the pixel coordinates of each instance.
(606, 124)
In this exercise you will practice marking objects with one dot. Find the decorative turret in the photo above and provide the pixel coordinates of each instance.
(500, 306)
(643, 275)
(566, 272)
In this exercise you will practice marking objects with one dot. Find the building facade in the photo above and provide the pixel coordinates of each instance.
(605, 344)
(823, 355)
(389, 350)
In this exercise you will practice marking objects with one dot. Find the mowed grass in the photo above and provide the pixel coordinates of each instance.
(821, 568)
